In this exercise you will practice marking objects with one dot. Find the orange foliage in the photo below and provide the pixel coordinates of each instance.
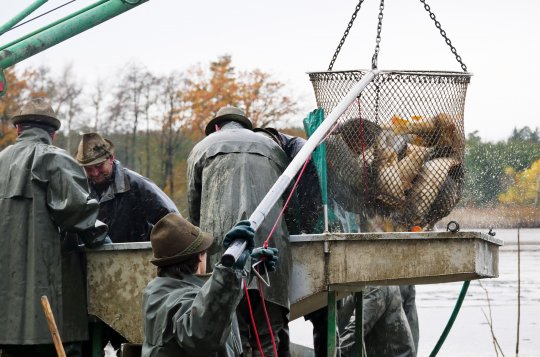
(9, 103)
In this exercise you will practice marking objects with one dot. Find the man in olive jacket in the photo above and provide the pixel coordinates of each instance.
(229, 173)
(183, 314)
(130, 204)
(43, 192)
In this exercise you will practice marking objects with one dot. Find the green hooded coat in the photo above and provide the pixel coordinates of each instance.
(43, 192)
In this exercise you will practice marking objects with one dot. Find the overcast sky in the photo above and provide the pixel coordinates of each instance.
(498, 41)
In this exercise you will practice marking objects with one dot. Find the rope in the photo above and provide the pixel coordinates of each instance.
(265, 244)
(246, 292)
(268, 324)
(362, 141)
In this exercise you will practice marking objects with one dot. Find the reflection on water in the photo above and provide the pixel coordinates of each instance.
(471, 334)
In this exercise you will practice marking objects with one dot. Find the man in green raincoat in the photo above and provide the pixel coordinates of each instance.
(183, 314)
(43, 195)
(229, 173)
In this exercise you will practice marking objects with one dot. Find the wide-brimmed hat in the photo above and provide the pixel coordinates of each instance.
(228, 114)
(174, 240)
(37, 110)
(93, 149)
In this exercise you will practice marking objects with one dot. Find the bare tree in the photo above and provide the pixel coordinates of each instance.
(97, 99)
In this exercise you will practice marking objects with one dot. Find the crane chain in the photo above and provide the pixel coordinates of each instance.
(443, 34)
(345, 34)
(378, 38)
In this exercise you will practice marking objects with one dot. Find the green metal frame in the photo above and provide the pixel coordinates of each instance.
(58, 31)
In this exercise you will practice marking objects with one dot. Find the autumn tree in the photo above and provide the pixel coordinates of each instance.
(525, 189)
(9, 103)
(220, 85)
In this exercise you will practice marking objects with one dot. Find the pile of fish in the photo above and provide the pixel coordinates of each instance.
(408, 169)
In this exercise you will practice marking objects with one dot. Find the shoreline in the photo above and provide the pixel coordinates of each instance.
(498, 217)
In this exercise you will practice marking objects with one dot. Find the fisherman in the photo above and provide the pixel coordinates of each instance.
(43, 195)
(386, 329)
(304, 218)
(183, 315)
(129, 203)
(229, 173)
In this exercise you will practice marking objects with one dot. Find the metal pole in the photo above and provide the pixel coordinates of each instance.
(62, 30)
(331, 330)
(15, 20)
(260, 213)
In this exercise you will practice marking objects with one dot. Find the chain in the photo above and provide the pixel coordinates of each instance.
(378, 39)
(345, 35)
(443, 34)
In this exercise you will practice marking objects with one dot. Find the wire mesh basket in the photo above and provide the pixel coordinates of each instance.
(398, 150)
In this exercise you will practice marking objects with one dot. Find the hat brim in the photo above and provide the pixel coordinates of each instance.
(207, 241)
(34, 118)
(211, 126)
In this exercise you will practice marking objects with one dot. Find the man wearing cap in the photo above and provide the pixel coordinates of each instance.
(229, 173)
(129, 203)
(43, 196)
(183, 315)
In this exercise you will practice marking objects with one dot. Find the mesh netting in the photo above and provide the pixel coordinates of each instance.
(398, 149)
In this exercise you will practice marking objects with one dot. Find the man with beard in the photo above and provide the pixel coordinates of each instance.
(129, 203)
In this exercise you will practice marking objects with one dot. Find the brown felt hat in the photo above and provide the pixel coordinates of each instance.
(174, 240)
(228, 114)
(93, 149)
(37, 110)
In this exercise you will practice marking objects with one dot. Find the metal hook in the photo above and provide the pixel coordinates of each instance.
(267, 281)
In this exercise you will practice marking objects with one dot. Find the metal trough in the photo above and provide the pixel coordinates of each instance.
(118, 273)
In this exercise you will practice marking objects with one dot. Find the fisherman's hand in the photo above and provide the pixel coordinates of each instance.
(241, 231)
(269, 256)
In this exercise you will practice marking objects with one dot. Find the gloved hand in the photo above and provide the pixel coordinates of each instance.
(241, 231)
(269, 256)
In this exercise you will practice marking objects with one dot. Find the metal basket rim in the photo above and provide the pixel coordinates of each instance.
(434, 73)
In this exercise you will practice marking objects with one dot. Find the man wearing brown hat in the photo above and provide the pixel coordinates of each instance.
(129, 203)
(183, 315)
(229, 173)
(43, 194)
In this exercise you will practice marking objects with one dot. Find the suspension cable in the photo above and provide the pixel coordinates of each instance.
(443, 34)
(378, 38)
(345, 35)
(41, 15)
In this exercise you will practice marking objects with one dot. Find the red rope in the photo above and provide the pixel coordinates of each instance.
(362, 141)
(265, 244)
(253, 318)
(267, 319)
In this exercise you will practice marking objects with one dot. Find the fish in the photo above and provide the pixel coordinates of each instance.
(426, 188)
(410, 165)
(352, 135)
(348, 184)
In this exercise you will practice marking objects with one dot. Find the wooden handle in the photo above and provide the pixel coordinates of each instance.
(52, 327)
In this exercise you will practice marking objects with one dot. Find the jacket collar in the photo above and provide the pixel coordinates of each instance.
(35, 134)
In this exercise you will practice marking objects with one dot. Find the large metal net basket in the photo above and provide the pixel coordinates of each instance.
(398, 150)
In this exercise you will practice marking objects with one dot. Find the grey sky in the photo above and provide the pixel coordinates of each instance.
(497, 40)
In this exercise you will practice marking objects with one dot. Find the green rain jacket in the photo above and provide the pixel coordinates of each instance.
(229, 173)
(43, 191)
(188, 317)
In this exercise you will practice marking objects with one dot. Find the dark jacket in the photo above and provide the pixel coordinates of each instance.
(183, 317)
(229, 173)
(43, 191)
(131, 205)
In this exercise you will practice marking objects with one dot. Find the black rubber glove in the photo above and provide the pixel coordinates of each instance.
(269, 256)
(241, 231)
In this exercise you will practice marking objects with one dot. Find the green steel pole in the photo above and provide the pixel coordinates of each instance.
(15, 20)
(331, 330)
(63, 29)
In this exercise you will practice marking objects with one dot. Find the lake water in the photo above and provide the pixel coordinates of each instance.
(471, 334)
